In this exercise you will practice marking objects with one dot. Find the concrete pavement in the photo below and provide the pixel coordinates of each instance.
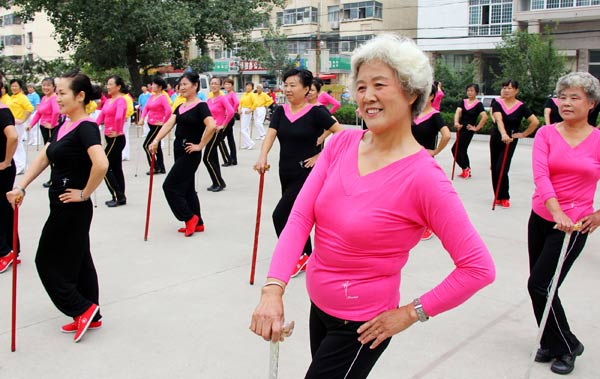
(180, 307)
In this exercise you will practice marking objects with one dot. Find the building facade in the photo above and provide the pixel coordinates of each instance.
(21, 40)
(320, 36)
(458, 32)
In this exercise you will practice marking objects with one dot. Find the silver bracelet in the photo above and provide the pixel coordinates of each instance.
(81, 196)
(274, 284)
(20, 189)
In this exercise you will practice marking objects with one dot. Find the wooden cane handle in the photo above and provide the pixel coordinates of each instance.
(577, 227)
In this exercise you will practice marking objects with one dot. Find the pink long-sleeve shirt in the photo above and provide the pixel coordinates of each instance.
(326, 99)
(366, 226)
(47, 112)
(157, 109)
(569, 174)
(113, 115)
(437, 100)
(233, 100)
(221, 110)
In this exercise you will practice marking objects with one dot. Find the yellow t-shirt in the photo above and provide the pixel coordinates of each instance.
(5, 99)
(91, 107)
(263, 100)
(18, 105)
(129, 102)
(248, 100)
(178, 100)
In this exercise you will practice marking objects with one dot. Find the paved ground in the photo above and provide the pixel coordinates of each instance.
(180, 307)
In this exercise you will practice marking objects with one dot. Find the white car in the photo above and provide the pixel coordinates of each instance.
(486, 100)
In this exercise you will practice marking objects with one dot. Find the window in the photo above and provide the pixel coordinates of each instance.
(594, 67)
(30, 37)
(554, 4)
(264, 21)
(333, 16)
(490, 17)
(297, 16)
(296, 47)
(362, 10)
(12, 19)
(13, 40)
(348, 44)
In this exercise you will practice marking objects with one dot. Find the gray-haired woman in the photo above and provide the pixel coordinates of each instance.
(566, 170)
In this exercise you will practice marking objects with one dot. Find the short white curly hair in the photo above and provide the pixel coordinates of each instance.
(411, 65)
(580, 79)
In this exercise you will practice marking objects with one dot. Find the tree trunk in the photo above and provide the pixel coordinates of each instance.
(134, 71)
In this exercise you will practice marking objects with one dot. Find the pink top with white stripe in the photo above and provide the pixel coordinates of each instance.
(569, 174)
(113, 115)
(326, 99)
(366, 226)
(221, 110)
(158, 110)
(47, 112)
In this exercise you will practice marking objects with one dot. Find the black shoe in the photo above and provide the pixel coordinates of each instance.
(215, 188)
(109, 201)
(234, 163)
(160, 171)
(226, 164)
(112, 203)
(122, 201)
(564, 364)
(543, 356)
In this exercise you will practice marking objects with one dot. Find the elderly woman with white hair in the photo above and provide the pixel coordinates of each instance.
(370, 196)
(566, 170)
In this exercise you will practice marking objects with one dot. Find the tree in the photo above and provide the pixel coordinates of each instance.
(139, 33)
(454, 81)
(272, 52)
(533, 61)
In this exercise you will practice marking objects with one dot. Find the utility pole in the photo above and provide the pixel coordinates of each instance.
(318, 48)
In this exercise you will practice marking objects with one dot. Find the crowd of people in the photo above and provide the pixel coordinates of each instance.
(352, 280)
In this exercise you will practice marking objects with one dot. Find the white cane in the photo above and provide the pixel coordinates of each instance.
(553, 287)
(274, 353)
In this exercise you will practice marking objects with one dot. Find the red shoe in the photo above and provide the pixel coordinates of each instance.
(7, 260)
(83, 321)
(199, 228)
(190, 225)
(301, 266)
(427, 234)
(505, 203)
(466, 173)
(72, 327)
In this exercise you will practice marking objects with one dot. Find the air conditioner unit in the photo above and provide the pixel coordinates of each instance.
(335, 25)
(28, 45)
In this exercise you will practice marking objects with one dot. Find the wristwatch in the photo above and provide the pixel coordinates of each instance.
(420, 311)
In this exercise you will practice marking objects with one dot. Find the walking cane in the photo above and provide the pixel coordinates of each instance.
(274, 351)
(555, 279)
(13, 339)
(257, 227)
(149, 196)
(456, 153)
(501, 175)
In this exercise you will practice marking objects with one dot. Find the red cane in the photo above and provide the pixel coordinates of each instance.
(455, 152)
(149, 196)
(13, 345)
(257, 227)
(500, 177)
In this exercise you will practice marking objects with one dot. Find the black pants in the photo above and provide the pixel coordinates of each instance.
(179, 187)
(114, 179)
(46, 133)
(497, 152)
(7, 180)
(211, 159)
(544, 243)
(464, 140)
(64, 261)
(229, 155)
(290, 188)
(336, 352)
(159, 163)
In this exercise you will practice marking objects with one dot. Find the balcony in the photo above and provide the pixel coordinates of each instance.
(556, 11)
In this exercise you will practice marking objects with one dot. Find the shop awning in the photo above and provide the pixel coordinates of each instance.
(327, 76)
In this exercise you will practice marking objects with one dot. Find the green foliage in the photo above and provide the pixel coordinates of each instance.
(454, 83)
(534, 63)
(109, 34)
(271, 52)
(346, 114)
(201, 64)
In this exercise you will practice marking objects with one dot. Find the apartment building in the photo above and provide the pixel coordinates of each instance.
(22, 40)
(321, 35)
(458, 32)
